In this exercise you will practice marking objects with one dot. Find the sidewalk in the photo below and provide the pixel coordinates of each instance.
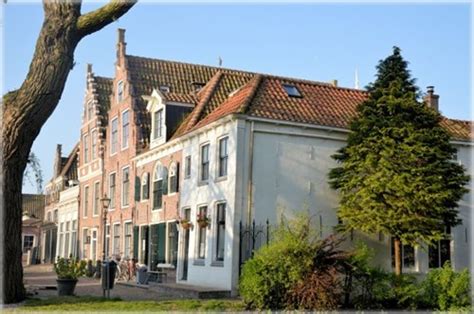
(41, 281)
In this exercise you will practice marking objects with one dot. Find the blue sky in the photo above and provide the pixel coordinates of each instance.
(319, 42)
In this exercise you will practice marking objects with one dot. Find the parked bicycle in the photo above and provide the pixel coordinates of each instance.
(126, 268)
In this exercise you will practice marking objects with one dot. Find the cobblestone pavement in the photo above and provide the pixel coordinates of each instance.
(40, 280)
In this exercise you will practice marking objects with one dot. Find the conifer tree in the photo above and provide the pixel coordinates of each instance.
(396, 175)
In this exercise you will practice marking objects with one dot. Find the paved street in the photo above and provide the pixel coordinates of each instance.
(41, 280)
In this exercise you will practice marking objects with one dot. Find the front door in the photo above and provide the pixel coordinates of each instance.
(187, 215)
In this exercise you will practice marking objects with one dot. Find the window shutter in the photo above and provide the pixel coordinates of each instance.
(161, 245)
(165, 181)
(135, 242)
(137, 189)
(177, 177)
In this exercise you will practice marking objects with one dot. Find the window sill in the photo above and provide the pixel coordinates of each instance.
(156, 209)
(203, 183)
(219, 179)
(198, 262)
(217, 264)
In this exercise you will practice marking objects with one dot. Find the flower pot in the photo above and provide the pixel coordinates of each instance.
(203, 223)
(186, 225)
(66, 286)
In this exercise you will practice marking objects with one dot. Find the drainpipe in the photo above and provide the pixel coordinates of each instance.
(249, 182)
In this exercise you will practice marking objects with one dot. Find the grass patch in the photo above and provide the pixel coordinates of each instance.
(96, 304)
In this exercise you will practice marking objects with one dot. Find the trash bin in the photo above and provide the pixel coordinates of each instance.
(110, 269)
(142, 275)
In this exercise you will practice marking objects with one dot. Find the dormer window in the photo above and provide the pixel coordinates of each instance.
(158, 124)
(197, 86)
(292, 90)
(164, 88)
(119, 91)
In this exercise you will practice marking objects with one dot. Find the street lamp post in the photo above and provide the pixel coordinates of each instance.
(105, 207)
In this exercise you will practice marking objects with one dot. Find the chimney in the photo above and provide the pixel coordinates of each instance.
(89, 68)
(333, 83)
(431, 99)
(57, 161)
(121, 44)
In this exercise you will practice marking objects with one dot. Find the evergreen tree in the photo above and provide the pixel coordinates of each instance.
(396, 175)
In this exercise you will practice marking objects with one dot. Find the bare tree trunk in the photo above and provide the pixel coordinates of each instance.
(398, 256)
(26, 110)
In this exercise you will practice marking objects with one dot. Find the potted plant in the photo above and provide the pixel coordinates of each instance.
(68, 270)
(203, 221)
(185, 223)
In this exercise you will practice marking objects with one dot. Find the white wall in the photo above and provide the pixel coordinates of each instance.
(68, 211)
(194, 194)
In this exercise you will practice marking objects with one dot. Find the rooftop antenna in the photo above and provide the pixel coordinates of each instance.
(356, 79)
(220, 61)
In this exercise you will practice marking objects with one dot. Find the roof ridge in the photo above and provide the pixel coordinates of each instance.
(257, 80)
(70, 159)
(211, 85)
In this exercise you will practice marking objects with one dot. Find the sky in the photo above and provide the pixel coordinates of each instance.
(320, 42)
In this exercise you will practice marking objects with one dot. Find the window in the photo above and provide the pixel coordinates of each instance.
(125, 128)
(114, 137)
(205, 162)
(85, 241)
(158, 187)
(94, 246)
(127, 251)
(107, 240)
(116, 239)
(74, 238)
(85, 143)
(158, 124)
(94, 144)
(96, 199)
(164, 88)
(291, 90)
(187, 167)
(202, 234)
(440, 251)
(90, 108)
(61, 240)
(112, 179)
(172, 244)
(174, 177)
(66, 241)
(145, 186)
(86, 200)
(119, 91)
(220, 232)
(408, 255)
(144, 245)
(48, 216)
(223, 156)
(125, 186)
(55, 215)
(28, 241)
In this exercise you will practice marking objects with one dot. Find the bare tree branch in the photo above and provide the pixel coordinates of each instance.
(93, 21)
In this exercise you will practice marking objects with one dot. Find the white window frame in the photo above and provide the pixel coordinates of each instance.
(200, 179)
(113, 198)
(217, 262)
(107, 240)
(122, 182)
(158, 129)
(113, 239)
(187, 165)
(92, 253)
(85, 204)
(145, 179)
(173, 170)
(198, 235)
(125, 222)
(218, 155)
(23, 241)
(84, 253)
(120, 91)
(94, 144)
(125, 140)
(85, 146)
(96, 200)
(112, 151)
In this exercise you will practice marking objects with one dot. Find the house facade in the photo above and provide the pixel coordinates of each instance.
(170, 141)
(32, 223)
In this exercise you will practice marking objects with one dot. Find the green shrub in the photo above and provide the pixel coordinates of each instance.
(444, 289)
(297, 270)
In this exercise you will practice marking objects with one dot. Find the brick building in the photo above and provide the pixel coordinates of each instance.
(169, 140)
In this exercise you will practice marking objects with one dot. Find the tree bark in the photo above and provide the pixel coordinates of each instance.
(398, 256)
(27, 109)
